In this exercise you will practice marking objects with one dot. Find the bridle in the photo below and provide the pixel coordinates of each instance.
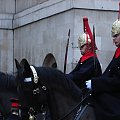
(35, 81)
(36, 90)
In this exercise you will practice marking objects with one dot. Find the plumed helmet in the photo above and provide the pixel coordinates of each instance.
(116, 27)
(87, 37)
(84, 39)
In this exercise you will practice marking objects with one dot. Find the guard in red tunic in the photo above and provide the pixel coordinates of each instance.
(106, 89)
(88, 65)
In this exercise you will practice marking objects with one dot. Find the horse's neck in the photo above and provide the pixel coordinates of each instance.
(63, 94)
(62, 104)
(7, 81)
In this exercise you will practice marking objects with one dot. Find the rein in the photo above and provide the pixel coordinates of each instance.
(75, 108)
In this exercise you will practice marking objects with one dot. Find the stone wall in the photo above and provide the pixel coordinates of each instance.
(7, 6)
(7, 9)
(26, 4)
(34, 28)
(48, 35)
(50, 21)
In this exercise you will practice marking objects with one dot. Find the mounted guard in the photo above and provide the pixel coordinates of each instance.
(106, 88)
(88, 65)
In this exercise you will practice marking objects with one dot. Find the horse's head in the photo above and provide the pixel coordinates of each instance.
(42, 84)
(32, 94)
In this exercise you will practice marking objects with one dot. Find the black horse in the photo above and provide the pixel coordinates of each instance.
(43, 85)
(8, 89)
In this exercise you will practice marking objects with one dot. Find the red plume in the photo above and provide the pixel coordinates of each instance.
(86, 27)
(87, 30)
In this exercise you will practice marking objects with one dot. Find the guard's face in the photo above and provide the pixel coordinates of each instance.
(83, 49)
(116, 40)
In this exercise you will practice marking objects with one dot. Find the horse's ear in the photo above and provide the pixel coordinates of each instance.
(26, 67)
(24, 62)
(17, 64)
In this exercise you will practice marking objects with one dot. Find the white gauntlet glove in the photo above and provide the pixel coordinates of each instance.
(88, 84)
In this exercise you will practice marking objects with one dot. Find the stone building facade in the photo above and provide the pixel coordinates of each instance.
(38, 31)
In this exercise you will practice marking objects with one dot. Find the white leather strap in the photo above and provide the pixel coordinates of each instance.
(34, 74)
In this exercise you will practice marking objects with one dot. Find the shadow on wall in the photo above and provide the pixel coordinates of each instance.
(50, 61)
